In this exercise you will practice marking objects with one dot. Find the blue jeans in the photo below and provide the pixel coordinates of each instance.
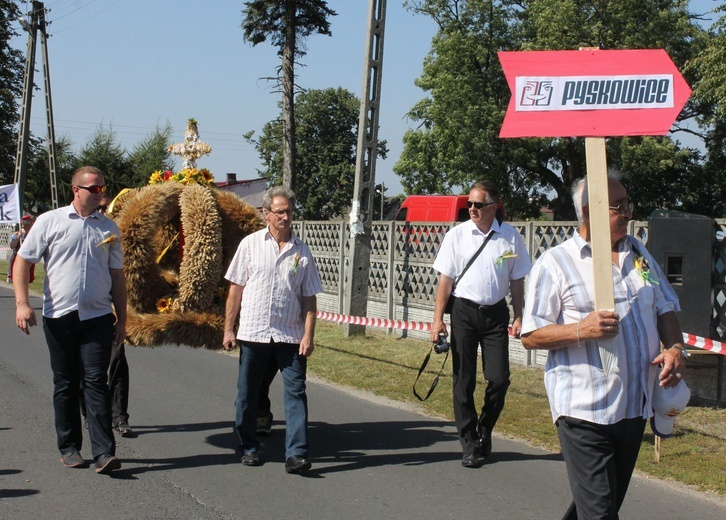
(254, 360)
(81, 350)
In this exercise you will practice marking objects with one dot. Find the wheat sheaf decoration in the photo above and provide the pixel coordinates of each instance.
(178, 241)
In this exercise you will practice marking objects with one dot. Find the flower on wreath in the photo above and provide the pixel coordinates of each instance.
(202, 177)
(163, 304)
(505, 256)
(641, 265)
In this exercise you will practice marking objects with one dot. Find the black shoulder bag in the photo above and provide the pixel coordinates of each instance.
(450, 301)
(449, 306)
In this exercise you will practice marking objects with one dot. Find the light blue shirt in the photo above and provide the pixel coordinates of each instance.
(560, 291)
(487, 280)
(77, 262)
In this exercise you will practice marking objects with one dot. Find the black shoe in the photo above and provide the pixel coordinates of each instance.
(106, 464)
(264, 424)
(73, 459)
(473, 460)
(251, 459)
(124, 429)
(297, 464)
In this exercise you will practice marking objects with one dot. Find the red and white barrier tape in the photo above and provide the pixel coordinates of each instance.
(383, 323)
(704, 343)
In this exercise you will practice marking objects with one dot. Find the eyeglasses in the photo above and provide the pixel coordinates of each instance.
(282, 213)
(623, 208)
(478, 205)
(94, 189)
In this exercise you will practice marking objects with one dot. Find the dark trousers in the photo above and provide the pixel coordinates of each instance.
(81, 351)
(472, 326)
(600, 459)
(118, 382)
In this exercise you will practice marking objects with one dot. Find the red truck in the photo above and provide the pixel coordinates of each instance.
(437, 208)
(433, 208)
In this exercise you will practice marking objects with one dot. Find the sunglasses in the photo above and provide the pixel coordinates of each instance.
(94, 189)
(478, 205)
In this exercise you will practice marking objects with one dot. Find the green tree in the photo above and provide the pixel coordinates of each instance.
(105, 152)
(11, 89)
(286, 23)
(150, 155)
(37, 186)
(326, 133)
(457, 141)
(709, 66)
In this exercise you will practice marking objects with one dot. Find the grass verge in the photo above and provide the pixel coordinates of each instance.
(387, 365)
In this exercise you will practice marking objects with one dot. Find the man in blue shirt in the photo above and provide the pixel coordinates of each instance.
(84, 285)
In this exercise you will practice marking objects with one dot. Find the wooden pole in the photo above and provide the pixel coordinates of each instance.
(599, 205)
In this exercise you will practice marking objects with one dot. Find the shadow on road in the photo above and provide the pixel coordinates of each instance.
(334, 447)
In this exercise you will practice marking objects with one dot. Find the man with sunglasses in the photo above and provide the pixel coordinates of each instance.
(480, 316)
(600, 418)
(273, 288)
(84, 285)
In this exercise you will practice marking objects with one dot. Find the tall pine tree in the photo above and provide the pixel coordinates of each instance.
(286, 23)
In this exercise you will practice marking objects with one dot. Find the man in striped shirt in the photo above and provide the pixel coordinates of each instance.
(601, 418)
(273, 287)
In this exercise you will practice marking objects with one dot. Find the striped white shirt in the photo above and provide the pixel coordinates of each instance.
(560, 291)
(487, 280)
(274, 284)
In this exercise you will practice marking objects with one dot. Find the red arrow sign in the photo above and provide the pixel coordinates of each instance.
(591, 93)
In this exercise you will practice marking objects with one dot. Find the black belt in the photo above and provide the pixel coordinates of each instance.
(469, 303)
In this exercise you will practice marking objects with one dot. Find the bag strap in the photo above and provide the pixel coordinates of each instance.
(428, 356)
(435, 381)
(471, 261)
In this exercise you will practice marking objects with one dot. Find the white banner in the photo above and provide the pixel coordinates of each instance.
(9, 204)
(536, 94)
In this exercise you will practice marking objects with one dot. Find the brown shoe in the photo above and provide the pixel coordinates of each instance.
(73, 459)
(106, 464)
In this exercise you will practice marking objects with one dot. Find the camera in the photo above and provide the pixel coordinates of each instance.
(442, 345)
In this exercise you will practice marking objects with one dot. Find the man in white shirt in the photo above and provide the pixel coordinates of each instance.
(480, 315)
(84, 285)
(601, 418)
(273, 287)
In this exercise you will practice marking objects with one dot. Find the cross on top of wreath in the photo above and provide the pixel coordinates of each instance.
(192, 148)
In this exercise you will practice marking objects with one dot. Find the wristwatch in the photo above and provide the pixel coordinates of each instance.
(682, 350)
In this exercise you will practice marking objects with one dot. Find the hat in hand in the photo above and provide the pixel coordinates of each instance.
(667, 404)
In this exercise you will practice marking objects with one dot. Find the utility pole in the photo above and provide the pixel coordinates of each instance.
(361, 214)
(37, 22)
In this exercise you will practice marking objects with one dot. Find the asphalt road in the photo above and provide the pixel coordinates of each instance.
(371, 459)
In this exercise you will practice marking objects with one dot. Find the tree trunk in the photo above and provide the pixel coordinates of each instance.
(289, 150)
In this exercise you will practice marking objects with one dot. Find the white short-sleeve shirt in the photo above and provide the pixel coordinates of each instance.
(503, 259)
(274, 284)
(560, 290)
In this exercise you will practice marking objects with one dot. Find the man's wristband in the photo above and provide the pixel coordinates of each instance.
(682, 350)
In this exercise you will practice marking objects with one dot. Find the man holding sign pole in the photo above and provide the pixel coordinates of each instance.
(600, 415)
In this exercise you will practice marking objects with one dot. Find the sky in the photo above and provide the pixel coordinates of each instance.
(136, 64)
